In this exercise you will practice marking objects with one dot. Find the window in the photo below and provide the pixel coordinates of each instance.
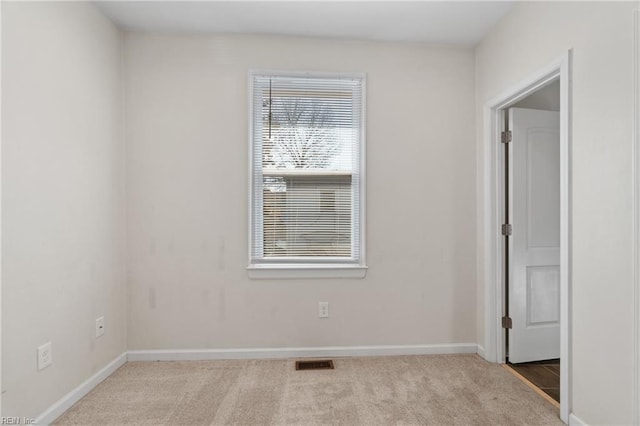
(307, 178)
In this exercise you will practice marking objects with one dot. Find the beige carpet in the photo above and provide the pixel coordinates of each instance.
(435, 389)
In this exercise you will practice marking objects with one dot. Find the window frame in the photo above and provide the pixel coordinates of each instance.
(332, 267)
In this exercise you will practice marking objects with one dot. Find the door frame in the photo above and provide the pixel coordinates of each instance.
(492, 199)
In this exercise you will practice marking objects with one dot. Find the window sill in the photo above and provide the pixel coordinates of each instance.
(301, 271)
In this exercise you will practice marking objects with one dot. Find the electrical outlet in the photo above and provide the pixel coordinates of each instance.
(323, 309)
(99, 327)
(45, 356)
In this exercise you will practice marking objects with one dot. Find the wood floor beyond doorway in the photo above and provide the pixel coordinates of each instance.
(543, 374)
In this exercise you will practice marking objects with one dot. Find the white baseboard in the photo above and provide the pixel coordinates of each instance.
(575, 420)
(308, 352)
(481, 351)
(75, 395)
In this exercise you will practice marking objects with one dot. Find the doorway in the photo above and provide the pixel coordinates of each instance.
(531, 247)
(494, 208)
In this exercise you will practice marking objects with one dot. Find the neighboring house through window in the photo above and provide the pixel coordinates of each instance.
(307, 175)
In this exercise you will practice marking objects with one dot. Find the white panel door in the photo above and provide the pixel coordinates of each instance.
(534, 287)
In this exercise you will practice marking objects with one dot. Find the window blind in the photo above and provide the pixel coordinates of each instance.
(306, 176)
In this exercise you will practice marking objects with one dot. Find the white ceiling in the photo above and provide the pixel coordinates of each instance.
(448, 22)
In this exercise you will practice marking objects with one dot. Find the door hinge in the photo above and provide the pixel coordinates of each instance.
(507, 229)
(506, 322)
(506, 136)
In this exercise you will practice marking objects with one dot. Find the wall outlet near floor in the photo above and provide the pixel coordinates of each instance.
(99, 327)
(45, 356)
(323, 309)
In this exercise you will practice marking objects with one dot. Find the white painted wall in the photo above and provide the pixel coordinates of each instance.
(546, 98)
(187, 127)
(62, 199)
(600, 34)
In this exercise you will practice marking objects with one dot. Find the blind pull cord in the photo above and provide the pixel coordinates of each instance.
(270, 109)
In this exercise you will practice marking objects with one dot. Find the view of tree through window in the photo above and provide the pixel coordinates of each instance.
(302, 134)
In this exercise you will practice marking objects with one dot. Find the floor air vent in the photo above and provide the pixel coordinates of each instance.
(315, 365)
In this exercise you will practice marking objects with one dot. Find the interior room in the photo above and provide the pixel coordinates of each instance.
(432, 205)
